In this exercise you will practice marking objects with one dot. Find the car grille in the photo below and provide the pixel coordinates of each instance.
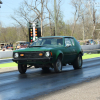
(32, 55)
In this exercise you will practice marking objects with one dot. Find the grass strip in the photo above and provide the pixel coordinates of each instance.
(88, 56)
(13, 64)
(85, 56)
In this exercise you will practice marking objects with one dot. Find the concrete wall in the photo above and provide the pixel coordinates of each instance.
(90, 47)
(6, 54)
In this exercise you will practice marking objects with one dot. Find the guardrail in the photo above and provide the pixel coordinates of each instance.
(90, 47)
(8, 54)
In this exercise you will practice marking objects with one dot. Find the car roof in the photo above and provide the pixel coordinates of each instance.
(56, 36)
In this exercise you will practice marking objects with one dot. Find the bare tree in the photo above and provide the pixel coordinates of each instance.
(37, 9)
(31, 11)
(51, 17)
(77, 5)
(90, 5)
(34, 7)
(83, 10)
(22, 27)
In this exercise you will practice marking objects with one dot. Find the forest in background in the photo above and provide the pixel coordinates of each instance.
(84, 25)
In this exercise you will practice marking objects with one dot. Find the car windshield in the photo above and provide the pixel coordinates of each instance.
(56, 41)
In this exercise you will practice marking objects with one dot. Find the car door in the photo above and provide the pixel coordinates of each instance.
(73, 50)
(67, 52)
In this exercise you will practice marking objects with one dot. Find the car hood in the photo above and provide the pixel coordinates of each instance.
(35, 49)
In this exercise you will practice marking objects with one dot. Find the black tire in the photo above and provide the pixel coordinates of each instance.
(22, 68)
(45, 68)
(58, 65)
(78, 62)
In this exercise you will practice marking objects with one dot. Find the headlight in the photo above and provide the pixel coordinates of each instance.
(47, 54)
(16, 55)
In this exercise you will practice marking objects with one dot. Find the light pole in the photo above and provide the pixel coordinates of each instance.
(55, 18)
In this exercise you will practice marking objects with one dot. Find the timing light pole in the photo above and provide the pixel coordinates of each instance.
(55, 18)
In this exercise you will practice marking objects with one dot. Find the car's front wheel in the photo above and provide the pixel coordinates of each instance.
(58, 65)
(22, 68)
(78, 62)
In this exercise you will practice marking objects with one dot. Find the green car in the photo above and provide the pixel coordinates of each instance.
(51, 51)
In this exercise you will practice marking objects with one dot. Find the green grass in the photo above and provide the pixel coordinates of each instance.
(13, 64)
(88, 56)
(85, 56)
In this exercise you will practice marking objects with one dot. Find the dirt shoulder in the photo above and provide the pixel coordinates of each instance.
(8, 69)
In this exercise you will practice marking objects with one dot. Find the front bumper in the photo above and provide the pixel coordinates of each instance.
(20, 59)
(33, 60)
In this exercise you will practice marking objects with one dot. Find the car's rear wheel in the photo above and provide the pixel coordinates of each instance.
(58, 65)
(22, 68)
(78, 62)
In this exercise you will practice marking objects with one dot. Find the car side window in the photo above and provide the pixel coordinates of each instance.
(67, 42)
(72, 40)
(53, 41)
